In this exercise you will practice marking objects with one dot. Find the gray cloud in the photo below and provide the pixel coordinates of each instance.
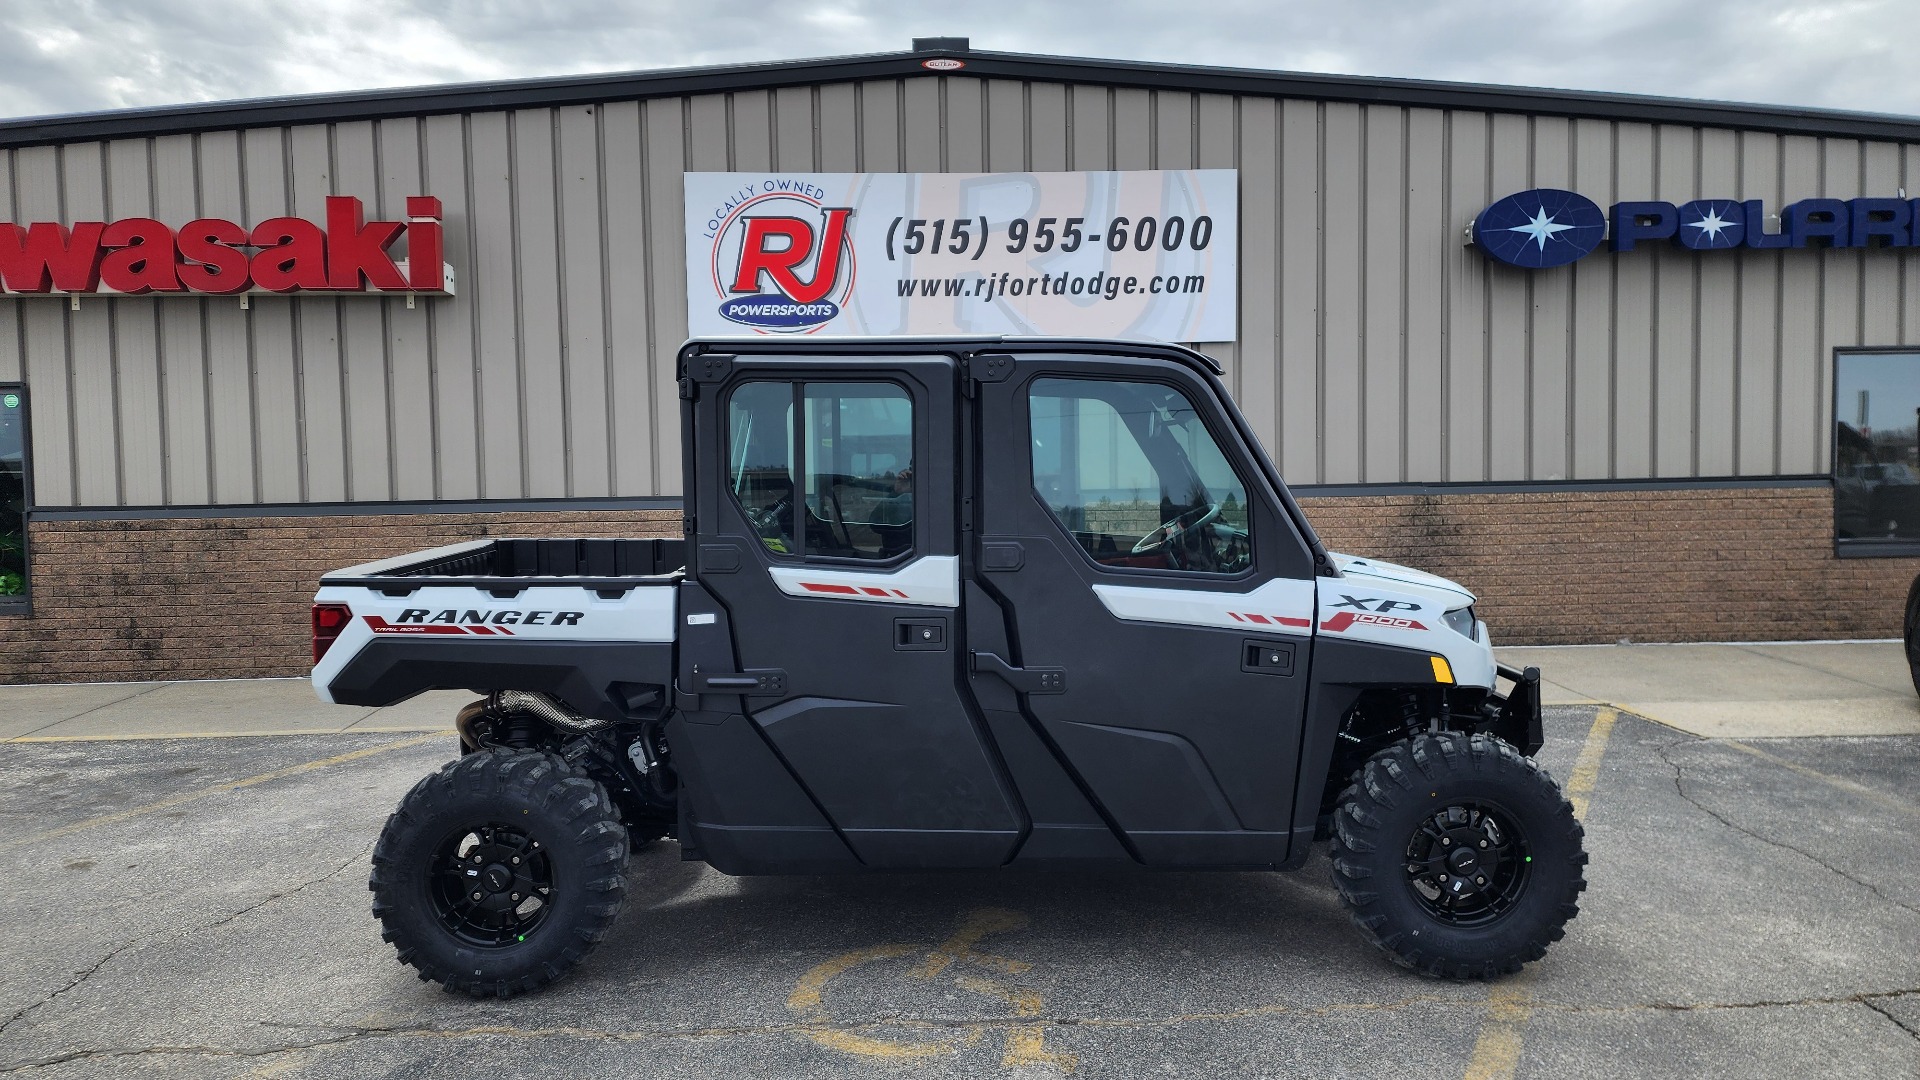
(98, 54)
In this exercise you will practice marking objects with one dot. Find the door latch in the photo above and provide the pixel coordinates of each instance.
(1027, 680)
(754, 681)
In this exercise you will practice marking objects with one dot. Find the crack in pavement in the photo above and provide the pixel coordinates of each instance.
(1679, 786)
(349, 1034)
(175, 932)
(1896, 1021)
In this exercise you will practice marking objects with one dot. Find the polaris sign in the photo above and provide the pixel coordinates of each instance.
(1548, 227)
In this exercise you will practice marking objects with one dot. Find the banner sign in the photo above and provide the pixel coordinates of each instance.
(1548, 227)
(1151, 255)
(143, 256)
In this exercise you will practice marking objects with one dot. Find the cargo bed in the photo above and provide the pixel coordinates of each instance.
(510, 564)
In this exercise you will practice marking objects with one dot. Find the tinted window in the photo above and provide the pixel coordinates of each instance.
(1132, 472)
(855, 499)
(1876, 466)
(13, 495)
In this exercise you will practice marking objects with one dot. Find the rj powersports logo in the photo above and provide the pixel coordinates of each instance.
(784, 261)
(1548, 227)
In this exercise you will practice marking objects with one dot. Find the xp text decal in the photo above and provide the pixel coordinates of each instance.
(1149, 255)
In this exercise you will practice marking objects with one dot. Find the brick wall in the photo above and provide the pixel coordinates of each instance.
(210, 598)
(1576, 567)
(197, 598)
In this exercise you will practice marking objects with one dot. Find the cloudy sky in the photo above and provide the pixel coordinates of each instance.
(74, 55)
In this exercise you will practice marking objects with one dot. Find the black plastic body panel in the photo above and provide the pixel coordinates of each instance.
(880, 737)
(580, 673)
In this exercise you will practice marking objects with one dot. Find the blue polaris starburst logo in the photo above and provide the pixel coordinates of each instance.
(1540, 228)
(1708, 224)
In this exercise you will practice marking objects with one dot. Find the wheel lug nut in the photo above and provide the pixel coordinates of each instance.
(1479, 881)
(476, 896)
(515, 896)
(1483, 843)
(1446, 841)
(516, 858)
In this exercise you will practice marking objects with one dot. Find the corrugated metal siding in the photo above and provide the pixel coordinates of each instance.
(1375, 347)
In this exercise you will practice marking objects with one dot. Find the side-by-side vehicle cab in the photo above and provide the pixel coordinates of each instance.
(951, 604)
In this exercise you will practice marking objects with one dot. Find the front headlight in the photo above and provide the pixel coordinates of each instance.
(1462, 620)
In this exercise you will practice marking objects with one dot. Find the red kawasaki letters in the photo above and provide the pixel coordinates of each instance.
(210, 255)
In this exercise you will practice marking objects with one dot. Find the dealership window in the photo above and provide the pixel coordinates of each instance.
(1133, 474)
(13, 497)
(854, 449)
(1876, 455)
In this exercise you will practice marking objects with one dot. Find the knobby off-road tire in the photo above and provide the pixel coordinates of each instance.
(499, 873)
(1457, 855)
(1910, 633)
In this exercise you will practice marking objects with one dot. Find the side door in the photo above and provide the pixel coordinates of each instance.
(1160, 602)
(826, 528)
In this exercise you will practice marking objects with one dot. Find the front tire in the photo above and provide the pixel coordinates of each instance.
(499, 873)
(1457, 855)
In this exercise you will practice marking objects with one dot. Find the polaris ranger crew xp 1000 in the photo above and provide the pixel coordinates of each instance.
(950, 604)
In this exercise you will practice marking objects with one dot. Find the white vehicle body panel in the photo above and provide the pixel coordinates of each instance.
(1281, 606)
(931, 580)
(1389, 604)
(644, 613)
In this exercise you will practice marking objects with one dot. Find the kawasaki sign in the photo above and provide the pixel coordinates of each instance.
(1548, 227)
(135, 256)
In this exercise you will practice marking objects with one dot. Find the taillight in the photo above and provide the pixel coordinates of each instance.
(328, 621)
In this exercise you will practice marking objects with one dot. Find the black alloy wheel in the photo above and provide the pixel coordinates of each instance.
(1457, 855)
(499, 873)
(1468, 864)
(494, 886)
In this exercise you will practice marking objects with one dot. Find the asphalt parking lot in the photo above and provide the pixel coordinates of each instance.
(198, 908)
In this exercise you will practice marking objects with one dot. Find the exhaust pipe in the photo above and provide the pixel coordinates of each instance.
(503, 704)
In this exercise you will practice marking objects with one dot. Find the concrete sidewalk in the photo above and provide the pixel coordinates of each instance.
(1717, 691)
(1739, 691)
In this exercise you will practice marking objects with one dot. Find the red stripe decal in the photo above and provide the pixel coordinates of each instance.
(1235, 617)
(1338, 623)
(843, 590)
(1284, 621)
(1257, 618)
(382, 626)
(900, 594)
(871, 591)
(503, 630)
(481, 630)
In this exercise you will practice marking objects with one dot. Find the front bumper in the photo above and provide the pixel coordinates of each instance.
(1516, 714)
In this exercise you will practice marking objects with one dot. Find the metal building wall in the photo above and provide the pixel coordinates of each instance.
(1374, 346)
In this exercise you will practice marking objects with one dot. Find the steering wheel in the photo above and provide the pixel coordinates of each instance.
(1165, 535)
(771, 519)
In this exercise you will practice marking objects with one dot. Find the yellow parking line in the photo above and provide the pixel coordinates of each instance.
(216, 789)
(1496, 1053)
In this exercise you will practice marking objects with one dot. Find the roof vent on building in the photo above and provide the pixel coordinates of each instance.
(940, 44)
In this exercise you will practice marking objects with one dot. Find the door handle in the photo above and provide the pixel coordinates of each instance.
(1027, 680)
(754, 682)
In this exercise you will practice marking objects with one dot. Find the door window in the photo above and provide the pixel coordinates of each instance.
(13, 497)
(1133, 474)
(854, 446)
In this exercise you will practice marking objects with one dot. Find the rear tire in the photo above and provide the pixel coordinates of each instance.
(499, 873)
(1910, 633)
(1458, 856)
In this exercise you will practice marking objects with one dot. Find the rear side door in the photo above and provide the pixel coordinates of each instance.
(1159, 601)
(826, 529)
